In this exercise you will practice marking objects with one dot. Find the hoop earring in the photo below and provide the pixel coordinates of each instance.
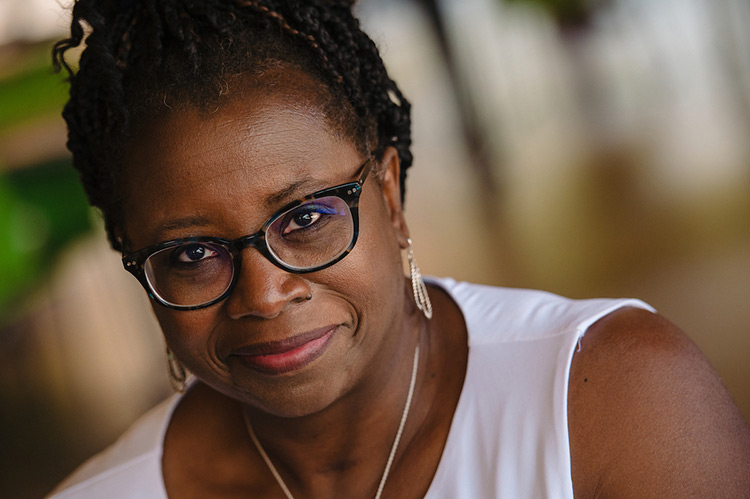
(421, 297)
(177, 373)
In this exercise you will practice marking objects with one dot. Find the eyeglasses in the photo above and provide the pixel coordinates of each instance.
(309, 234)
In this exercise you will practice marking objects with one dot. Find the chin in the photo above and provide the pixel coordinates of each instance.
(285, 396)
(299, 405)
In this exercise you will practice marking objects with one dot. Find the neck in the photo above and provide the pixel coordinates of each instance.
(343, 447)
(346, 445)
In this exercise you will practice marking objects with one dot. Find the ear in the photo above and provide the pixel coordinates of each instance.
(391, 188)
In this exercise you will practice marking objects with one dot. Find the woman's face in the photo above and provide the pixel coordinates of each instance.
(223, 173)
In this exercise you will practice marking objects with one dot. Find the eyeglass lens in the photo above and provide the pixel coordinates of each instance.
(305, 237)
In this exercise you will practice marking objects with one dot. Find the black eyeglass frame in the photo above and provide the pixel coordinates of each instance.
(349, 192)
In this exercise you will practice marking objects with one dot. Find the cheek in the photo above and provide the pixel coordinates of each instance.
(188, 334)
(373, 270)
(379, 231)
(370, 280)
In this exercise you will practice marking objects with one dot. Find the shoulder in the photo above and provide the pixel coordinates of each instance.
(131, 466)
(649, 417)
(497, 314)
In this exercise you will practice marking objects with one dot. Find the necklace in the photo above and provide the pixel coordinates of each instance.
(388, 464)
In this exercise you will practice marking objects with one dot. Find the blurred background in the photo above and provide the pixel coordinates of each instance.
(589, 148)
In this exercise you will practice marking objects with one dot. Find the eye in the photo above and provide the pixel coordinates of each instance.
(192, 253)
(306, 216)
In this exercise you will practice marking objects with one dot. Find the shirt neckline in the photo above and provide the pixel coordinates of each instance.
(444, 284)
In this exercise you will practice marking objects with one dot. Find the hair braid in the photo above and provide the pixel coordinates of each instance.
(309, 39)
(355, 63)
(141, 52)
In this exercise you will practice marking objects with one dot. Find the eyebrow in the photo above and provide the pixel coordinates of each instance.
(192, 222)
(182, 223)
(273, 200)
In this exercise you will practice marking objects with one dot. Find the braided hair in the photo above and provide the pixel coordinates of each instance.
(140, 54)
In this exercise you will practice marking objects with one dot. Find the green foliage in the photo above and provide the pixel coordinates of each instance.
(34, 92)
(42, 206)
(41, 210)
(15, 261)
(567, 13)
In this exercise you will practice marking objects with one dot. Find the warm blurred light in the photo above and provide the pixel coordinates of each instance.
(32, 20)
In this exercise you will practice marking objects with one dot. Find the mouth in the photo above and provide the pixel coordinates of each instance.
(291, 354)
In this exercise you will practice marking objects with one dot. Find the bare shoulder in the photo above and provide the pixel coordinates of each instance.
(649, 416)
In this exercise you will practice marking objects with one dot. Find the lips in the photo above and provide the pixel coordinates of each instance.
(291, 354)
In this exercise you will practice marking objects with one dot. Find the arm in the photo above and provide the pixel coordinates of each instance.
(649, 417)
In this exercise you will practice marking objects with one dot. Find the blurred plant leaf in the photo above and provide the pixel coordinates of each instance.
(42, 208)
(32, 92)
(567, 13)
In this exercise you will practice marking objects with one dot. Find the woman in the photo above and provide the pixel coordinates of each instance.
(249, 159)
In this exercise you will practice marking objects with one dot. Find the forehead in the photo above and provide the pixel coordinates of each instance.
(213, 163)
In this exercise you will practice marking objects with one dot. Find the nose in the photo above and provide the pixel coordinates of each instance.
(263, 290)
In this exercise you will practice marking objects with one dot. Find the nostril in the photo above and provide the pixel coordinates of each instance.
(301, 299)
(264, 290)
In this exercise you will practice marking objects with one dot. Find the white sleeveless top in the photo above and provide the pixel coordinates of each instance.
(509, 435)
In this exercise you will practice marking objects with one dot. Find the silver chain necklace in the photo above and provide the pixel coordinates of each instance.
(388, 464)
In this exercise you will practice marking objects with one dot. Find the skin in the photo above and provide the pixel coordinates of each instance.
(648, 416)
(195, 174)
